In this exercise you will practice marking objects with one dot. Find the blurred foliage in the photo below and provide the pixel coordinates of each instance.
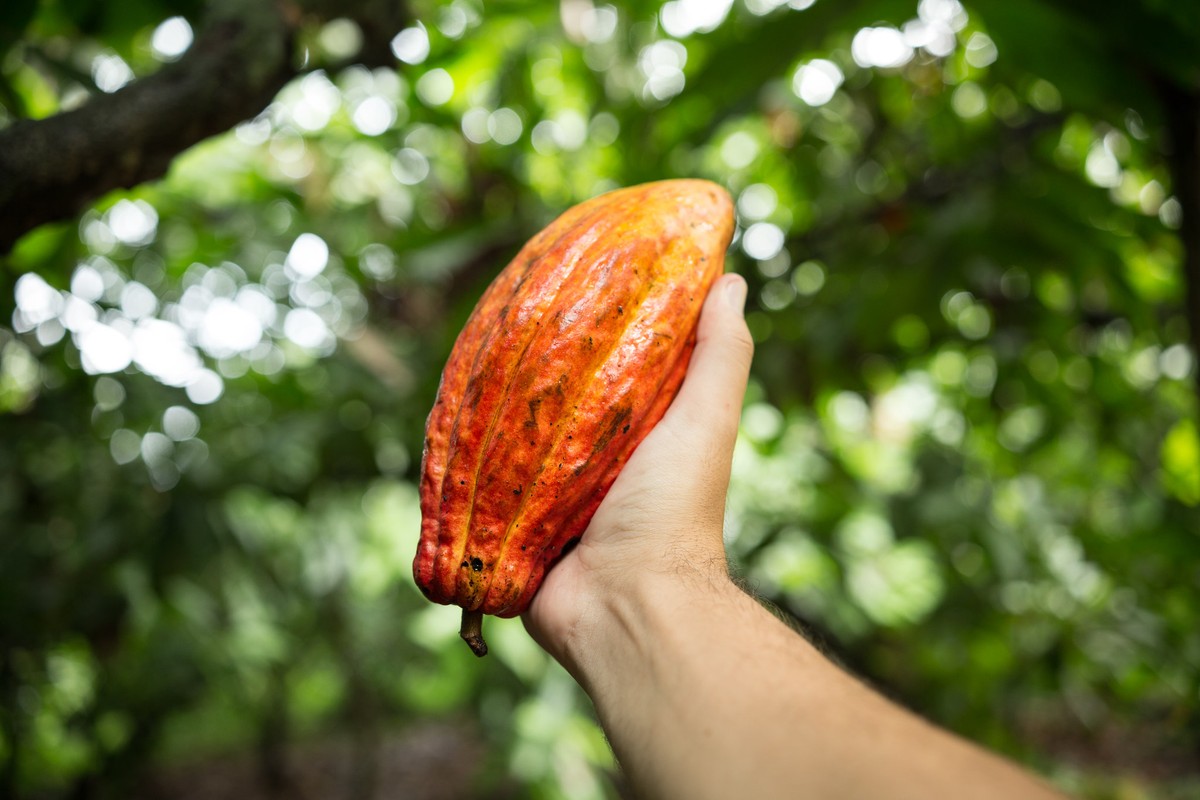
(970, 458)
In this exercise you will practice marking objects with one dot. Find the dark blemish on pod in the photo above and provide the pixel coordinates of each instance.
(463, 564)
(518, 489)
(534, 405)
(625, 429)
(620, 310)
(621, 415)
(477, 564)
(474, 392)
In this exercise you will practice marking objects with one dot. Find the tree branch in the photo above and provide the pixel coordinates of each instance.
(51, 169)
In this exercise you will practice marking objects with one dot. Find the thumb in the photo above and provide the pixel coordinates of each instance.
(710, 400)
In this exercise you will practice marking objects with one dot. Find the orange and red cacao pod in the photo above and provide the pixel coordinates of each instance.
(570, 358)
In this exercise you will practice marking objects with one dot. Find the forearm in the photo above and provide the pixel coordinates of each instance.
(706, 694)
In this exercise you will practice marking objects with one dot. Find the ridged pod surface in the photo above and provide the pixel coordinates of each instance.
(570, 358)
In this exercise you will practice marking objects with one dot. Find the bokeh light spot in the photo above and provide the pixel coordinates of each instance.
(308, 256)
(880, 47)
(374, 115)
(436, 87)
(411, 45)
(180, 423)
(682, 18)
(762, 240)
(817, 81)
(104, 349)
(171, 39)
(110, 72)
(206, 387)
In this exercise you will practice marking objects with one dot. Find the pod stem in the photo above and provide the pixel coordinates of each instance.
(472, 631)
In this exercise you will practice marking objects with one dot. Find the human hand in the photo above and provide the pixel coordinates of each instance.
(663, 516)
(701, 691)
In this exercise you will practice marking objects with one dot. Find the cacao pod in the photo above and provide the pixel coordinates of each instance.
(569, 359)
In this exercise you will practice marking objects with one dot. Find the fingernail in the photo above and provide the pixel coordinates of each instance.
(735, 293)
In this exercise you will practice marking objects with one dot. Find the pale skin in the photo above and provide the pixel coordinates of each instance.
(703, 692)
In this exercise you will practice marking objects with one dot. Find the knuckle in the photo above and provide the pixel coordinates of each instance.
(741, 343)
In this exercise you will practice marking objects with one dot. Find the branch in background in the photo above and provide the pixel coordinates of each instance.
(51, 169)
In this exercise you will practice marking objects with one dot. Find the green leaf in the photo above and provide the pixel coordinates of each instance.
(1181, 462)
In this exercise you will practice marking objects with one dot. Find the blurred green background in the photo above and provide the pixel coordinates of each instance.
(969, 462)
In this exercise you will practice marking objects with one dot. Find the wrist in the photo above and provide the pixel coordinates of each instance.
(659, 660)
(641, 620)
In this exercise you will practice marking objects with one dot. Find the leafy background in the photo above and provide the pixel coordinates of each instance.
(969, 460)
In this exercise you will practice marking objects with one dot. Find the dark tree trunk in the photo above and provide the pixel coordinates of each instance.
(51, 169)
(1183, 119)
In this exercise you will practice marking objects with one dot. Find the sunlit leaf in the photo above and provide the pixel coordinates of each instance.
(1181, 462)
